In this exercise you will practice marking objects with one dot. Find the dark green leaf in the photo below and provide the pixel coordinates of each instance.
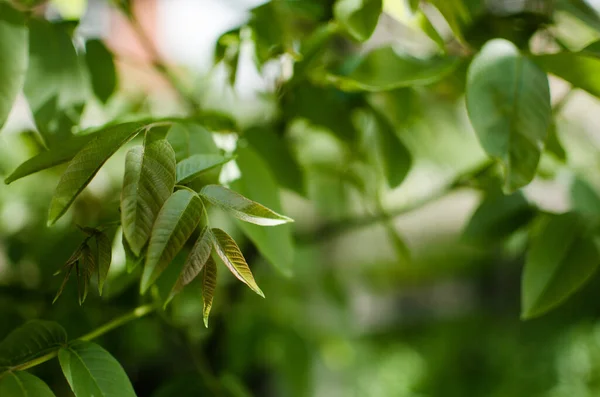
(209, 284)
(174, 224)
(192, 167)
(23, 384)
(232, 257)
(195, 260)
(33, 339)
(92, 371)
(561, 259)
(508, 101)
(148, 182)
(584, 198)
(85, 268)
(131, 259)
(104, 252)
(578, 68)
(102, 69)
(358, 18)
(86, 164)
(13, 47)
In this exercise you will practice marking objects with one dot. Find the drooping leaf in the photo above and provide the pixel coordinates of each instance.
(232, 257)
(584, 199)
(92, 371)
(209, 284)
(23, 384)
(193, 166)
(578, 68)
(84, 166)
(258, 183)
(385, 69)
(174, 224)
(148, 182)
(33, 339)
(104, 253)
(67, 268)
(195, 260)
(85, 268)
(561, 259)
(241, 207)
(508, 102)
(358, 17)
(13, 47)
(102, 69)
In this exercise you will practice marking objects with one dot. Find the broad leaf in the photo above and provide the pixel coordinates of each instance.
(188, 139)
(241, 207)
(104, 257)
(23, 384)
(232, 257)
(194, 166)
(561, 259)
(508, 101)
(385, 69)
(148, 182)
(33, 339)
(92, 371)
(209, 284)
(86, 164)
(102, 69)
(13, 47)
(358, 17)
(174, 224)
(578, 68)
(195, 260)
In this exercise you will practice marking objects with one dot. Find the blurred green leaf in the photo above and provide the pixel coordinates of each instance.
(578, 68)
(508, 101)
(553, 143)
(92, 371)
(580, 10)
(358, 17)
(84, 268)
(33, 339)
(101, 65)
(23, 384)
(190, 168)
(209, 284)
(104, 257)
(182, 386)
(13, 47)
(195, 261)
(584, 199)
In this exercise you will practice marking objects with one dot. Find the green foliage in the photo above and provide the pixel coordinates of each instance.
(23, 384)
(358, 17)
(33, 339)
(103, 74)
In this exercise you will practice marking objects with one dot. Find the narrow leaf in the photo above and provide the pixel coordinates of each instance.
(578, 68)
(230, 254)
(148, 182)
(192, 167)
(209, 284)
(32, 339)
(92, 371)
(23, 384)
(102, 69)
(86, 164)
(195, 260)
(241, 207)
(85, 268)
(174, 224)
(104, 257)
(508, 101)
(358, 17)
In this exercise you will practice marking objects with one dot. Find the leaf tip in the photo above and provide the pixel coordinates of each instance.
(206, 320)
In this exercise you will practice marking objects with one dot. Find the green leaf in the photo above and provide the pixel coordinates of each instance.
(102, 69)
(358, 17)
(193, 166)
(148, 182)
(92, 371)
(104, 257)
(553, 144)
(581, 10)
(23, 384)
(13, 47)
(32, 339)
(195, 260)
(209, 284)
(578, 68)
(241, 207)
(257, 183)
(131, 260)
(86, 164)
(232, 257)
(188, 139)
(561, 259)
(384, 69)
(174, 224)
(508, 101)
(85, 268)
(584, 199)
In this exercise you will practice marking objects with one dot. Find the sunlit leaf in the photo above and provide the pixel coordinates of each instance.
(232, 257)
(358, 17)
(92, 371)
(174, 224)
(104, 252)
(102, 69)
(195, 260)
(508, 101)
(32, 339)
(23, 384)
(578, 68)
(581, 10)
(209, 284)
(193, 166)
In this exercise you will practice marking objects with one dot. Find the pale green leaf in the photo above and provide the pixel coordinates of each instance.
(13, 47)
(241, 207)
(581, 10)
(23, 384)
(358, 17)
(561, 259)
(148, 182)
(188, 139)
(195, 165)
(195, 260)
(209, 284)
(104, 252)
(508, 101)
(102, 69)
(174, 224)
(32, 339)
(92, 371)
(86, 164)
(232, 257)
(578, 68)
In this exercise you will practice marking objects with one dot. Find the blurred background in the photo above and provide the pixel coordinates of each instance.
(356, 317)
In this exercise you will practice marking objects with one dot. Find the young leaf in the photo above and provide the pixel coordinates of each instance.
(92, 371)
(86, 164)
(358, 17)
(148, 182)
(195, 260)
(241, 207)
(85, 268)
(13, 47)
(23, 384)
(104, 257)
(102, 69)
(174, 224)
(561, 259)
(209, 284)
(508, 101)
(32, 339)
(193, 166)
(230, 254)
